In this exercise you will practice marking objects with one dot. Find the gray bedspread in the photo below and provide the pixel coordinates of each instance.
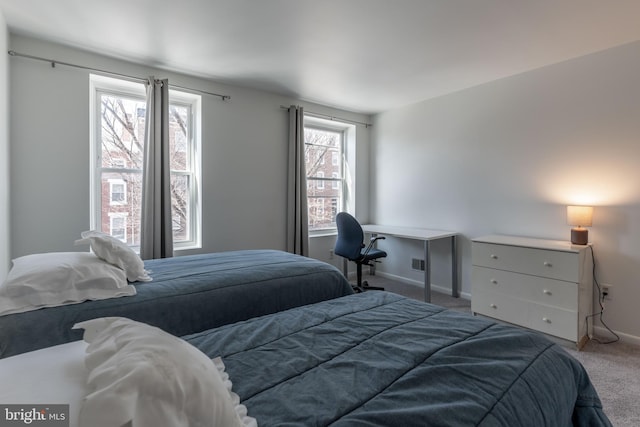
(379, 359)
(188, 294)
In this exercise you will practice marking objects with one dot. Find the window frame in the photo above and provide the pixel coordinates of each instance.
(118, 87)
(315, 123)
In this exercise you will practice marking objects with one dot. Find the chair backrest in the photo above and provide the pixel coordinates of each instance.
(350, 237)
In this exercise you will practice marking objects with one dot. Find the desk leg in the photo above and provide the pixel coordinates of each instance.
(345, 267)
(455, 284)
(372, 267)
(427, 271)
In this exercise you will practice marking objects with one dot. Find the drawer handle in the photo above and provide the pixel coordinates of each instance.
(546, 292)
(494, 256)
(493, 306)
(546, 320)
(494, 281)
(548, 264)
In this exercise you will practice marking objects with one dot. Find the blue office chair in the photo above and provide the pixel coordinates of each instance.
(350, 245)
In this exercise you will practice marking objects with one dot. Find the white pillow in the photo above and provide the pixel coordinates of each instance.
(117, 253)
(141, 375)
(59, 278)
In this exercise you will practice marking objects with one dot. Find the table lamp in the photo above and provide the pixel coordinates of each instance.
(579, 217)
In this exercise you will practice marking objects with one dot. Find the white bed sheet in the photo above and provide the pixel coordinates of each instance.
(54, 375)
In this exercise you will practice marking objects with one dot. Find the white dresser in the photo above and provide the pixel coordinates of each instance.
(546, 285)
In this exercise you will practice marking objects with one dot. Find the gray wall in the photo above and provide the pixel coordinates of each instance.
(4, 149)
(508, 156)
(244, 154)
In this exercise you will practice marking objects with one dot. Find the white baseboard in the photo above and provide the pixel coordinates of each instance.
(603, 334)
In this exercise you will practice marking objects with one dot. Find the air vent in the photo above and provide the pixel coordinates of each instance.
(417, 264)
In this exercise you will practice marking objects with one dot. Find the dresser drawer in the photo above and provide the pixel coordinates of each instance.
(554, 321)
(498, 306)
(549, 320)
(538, 262)
(557, 293)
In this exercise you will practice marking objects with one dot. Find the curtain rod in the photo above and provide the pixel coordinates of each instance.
(327, 116)
(53, 63)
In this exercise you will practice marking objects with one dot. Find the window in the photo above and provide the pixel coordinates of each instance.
(117, 145)
(324, 201)
(118, 163)
(320, 181)
(118, 226)
(118, 191)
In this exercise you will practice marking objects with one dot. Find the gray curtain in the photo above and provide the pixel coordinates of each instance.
(156, 236)
(297, 214)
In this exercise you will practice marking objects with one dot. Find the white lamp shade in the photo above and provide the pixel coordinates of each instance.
(579, 215)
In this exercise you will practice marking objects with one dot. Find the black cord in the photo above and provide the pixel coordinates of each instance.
(601, 312)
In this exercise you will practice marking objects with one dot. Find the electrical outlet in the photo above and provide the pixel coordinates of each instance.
(606, 292)
(331, 254)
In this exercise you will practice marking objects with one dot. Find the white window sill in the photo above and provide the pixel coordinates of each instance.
(322, 233)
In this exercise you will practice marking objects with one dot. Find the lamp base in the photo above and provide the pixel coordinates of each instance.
(579, 236)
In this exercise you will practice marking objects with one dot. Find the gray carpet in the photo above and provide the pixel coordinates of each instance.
(614, 368)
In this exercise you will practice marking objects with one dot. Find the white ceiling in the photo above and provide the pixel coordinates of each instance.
(361, 55)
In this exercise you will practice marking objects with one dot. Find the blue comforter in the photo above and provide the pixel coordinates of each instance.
(188, 294)
(378, 359)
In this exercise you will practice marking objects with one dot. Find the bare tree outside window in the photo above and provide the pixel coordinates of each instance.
(122, 127)
(324, 176)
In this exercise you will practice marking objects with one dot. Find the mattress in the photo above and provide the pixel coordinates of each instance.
(49, 376)
(188, 294)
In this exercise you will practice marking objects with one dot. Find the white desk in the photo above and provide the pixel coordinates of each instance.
(427, 236)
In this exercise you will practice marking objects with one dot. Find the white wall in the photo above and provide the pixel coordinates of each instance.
(4, 149)
(508, 156)
(244, 154)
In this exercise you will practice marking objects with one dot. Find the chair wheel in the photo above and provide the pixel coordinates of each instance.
(365, 287)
